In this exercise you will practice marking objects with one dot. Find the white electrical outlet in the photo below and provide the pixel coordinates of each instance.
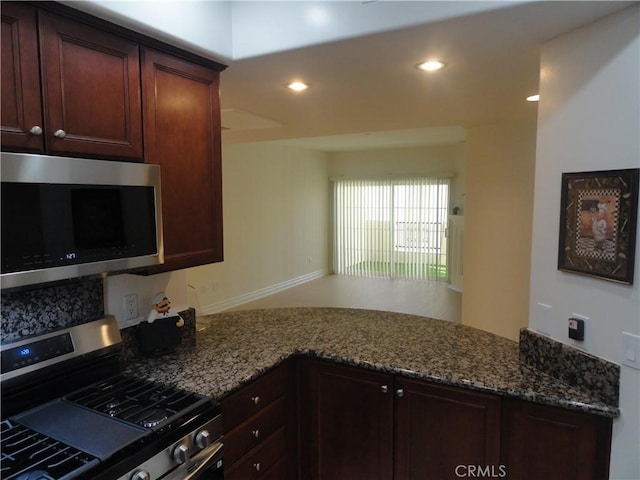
(130, 306)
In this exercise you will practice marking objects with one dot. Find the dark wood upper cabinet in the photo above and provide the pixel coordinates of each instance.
(91, 91)
(68, 88)
(441, 430)
(21, 101)
(182, 134)
(75, 85)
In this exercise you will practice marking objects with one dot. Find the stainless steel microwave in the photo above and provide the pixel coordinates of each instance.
(69, 217)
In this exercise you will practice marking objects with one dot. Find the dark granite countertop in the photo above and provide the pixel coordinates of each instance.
(237, 347)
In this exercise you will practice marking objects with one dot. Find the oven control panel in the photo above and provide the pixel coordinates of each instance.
(52, 348)
(35, 352)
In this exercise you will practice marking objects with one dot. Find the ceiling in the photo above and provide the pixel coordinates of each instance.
(367, 93)
(359, 57)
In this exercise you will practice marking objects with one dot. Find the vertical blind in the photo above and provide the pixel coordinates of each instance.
(391, 228)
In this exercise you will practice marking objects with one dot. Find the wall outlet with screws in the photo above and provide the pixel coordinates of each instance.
(130, 303)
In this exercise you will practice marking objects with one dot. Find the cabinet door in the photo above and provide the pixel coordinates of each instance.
(182, 135)
(91, 83)
(21, 104)
(440, 431)
(347, 416)
(553, 443)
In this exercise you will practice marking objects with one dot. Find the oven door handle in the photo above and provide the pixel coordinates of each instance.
(203, 459)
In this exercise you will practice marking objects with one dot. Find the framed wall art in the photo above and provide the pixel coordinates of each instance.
(598, 218)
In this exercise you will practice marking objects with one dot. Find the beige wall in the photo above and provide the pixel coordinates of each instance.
(276, 224)
(500, 163)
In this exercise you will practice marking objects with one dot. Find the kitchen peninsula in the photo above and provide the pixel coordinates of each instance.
(238, 349)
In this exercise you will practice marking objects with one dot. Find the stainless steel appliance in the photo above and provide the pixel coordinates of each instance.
(68, 413)
(71, 217)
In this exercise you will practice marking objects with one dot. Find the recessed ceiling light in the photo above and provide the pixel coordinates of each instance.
(533, 98)
(431, 65)
(298, 86)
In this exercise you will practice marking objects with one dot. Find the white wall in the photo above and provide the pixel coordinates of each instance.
(276, 224)
(497, 239)
(173, 284)
(589, 119)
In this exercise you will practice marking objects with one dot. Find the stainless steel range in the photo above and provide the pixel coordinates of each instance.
(68, 413)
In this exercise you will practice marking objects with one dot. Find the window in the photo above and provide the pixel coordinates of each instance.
(391, 228)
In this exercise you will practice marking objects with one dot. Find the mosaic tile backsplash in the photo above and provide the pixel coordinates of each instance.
(34, 312)
(571, 365)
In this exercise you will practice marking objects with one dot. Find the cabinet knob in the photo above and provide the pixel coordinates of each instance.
(400, 392)
(255, 433)
(256, 466)
(384, 388)
(60, 134)
(255, 400)
(36, 130)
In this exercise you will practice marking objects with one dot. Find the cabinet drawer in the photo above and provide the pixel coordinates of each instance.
(254, 431)
(278, 471)
(263, 461)
(249, 400)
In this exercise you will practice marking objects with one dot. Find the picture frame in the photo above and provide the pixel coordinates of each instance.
(598, 221)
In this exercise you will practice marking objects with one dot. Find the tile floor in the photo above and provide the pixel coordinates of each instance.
(429, 299)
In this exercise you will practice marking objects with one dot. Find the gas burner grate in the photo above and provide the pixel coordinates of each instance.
(137, 401)
(27, 454)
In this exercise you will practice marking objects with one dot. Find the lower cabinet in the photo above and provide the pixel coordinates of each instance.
(260, 427)
(358, 423)
(552, 443)
(346, 422)
(351, 423)
(440, 431)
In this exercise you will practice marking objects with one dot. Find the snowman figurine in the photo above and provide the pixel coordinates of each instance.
(161, 309)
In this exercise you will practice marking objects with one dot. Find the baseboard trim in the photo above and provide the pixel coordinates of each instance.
(233, 302)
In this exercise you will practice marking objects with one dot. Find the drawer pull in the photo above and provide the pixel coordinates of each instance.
(256, 466)
(384, 388)
(255, 433)
(255, 400)
(400, 392)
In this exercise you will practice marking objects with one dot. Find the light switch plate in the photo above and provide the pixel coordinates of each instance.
(544, 320)
(631, 350)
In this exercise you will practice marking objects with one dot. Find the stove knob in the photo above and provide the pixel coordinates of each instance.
(140, 475)
(181, 453)
(203, 439)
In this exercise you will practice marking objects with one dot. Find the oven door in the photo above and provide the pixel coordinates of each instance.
(205, 465)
